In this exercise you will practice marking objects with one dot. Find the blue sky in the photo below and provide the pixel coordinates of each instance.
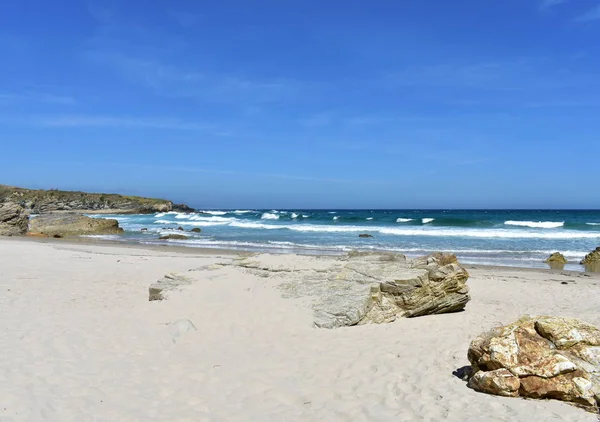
(305, 103)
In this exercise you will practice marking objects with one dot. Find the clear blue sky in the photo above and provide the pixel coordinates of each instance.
(305, 103)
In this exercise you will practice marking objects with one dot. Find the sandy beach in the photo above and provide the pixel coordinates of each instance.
(81, 342)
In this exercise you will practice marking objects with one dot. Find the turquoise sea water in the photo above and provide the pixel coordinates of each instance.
(497, 237)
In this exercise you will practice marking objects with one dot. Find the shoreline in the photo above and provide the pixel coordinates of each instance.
(82, 337)
(201, 251)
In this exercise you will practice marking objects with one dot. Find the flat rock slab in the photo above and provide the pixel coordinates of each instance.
(170, 282)
(358, 288)
(73, 225)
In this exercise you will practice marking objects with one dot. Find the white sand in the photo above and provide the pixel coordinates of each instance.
(79, 341)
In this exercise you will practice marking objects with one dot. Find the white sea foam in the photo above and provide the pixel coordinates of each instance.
(212, 219)
(332, 212)
(294, 215)
(162, 214)
(336, 218)
(269, 216)
(593, 224)
(403, 220)
(214, 212)
(369, 218)
(427, 220)
(304, 216)
(243, 211)
(423, 231)
(536, 225)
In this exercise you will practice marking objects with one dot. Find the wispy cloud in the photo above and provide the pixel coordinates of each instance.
(545, 4)
(190, 169)
(591, 15)
(116, 122)
(186, 19)
(37, 97)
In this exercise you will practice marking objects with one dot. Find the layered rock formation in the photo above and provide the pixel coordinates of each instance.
(591, 258)
(14, 220)
(556, 258)
(72, 225)
(541, 358)
(45, 201)
(363, 288)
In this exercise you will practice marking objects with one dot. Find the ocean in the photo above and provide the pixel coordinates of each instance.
(523, 238)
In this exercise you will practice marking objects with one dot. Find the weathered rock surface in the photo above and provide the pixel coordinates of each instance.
(14, 220)
(45, 201)
(363, 288)
(557, 258)
(173, 237)
(592, 257)
(365, 235)
(72, 225)
(541, 358)
(171, 281)
(196, 230)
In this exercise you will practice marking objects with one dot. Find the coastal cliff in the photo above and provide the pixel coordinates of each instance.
(46, 201)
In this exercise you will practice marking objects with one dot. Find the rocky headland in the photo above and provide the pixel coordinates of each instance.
(47, 201)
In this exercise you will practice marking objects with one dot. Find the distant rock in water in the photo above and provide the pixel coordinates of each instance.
(180, 228)
(173, 237)
(45, 201)
(63, 224)
(364, 235)
(144, 230)
(14, 219)
(196, 230)
(592, 257)
(556, 258)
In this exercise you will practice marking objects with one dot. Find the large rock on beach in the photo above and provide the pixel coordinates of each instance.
(556, 258)
(591, 258)
(73, 225)
(14, 219)
(539, 357)
(364, 287)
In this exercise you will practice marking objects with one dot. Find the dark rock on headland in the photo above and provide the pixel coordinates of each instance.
(46, 201)
(64, 224)
(14, 219)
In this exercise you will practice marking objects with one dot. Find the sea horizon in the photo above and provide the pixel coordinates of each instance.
(507, 237)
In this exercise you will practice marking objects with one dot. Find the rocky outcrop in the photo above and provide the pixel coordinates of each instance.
(196, 230)
(72, 225)
(556, 258)
(365, 235)
(173, 237)
(14, 220)
(540, 358)
(363, 288)
(46, 201)
(591, 258)
(171, 281)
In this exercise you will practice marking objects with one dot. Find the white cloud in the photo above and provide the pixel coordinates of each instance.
(116, 122)
(591, 15)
